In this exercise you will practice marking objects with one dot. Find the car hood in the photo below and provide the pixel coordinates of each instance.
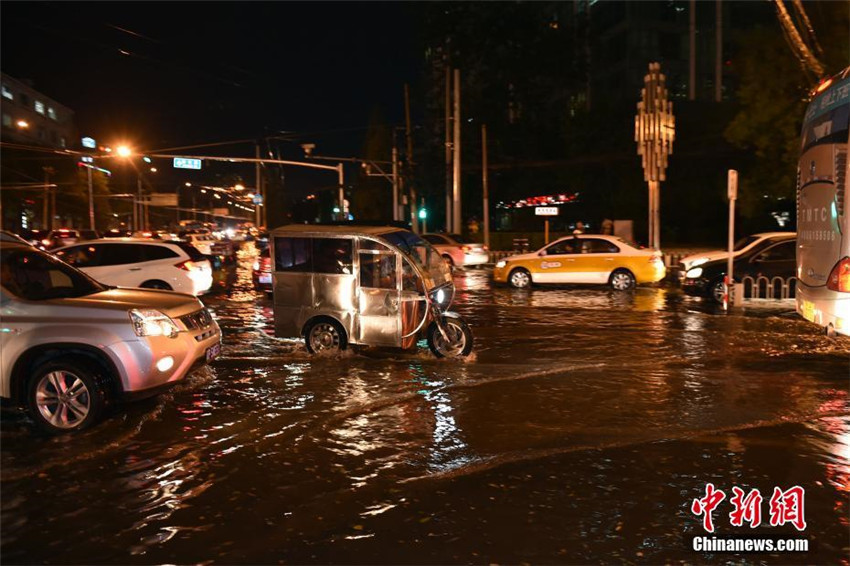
(707, 256)
(169, 302)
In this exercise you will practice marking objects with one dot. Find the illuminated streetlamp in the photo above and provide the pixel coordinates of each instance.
(22, 124)
(124, 151)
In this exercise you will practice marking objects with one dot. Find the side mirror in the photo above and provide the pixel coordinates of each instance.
(541, 253)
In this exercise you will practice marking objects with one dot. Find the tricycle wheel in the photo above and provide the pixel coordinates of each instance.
(324, 335)
(459, 342)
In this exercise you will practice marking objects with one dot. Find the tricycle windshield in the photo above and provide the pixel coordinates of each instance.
(423, 254)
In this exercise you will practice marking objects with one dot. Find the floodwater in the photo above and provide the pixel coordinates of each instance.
(580, 431)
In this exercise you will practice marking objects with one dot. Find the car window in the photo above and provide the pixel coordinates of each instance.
(596, 246)
(193, 252)
(459, 239)
(434, 239)
(561, 248)
(786, 251)
(293, 255)
(79, 256)
(332, 255)
(120, 254)
(37, 276)
(377, 271)
(410, 280)
(373, 245)
(152, 253)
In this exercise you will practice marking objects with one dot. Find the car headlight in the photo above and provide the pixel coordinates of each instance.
(694, 272)
(151, 322)
(440, 296)
(501, 263)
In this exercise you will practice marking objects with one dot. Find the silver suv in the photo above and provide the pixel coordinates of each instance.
(69, 345)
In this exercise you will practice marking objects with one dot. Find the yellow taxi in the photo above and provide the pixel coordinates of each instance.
(584, 259)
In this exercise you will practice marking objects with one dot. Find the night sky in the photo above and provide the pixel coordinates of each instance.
(165, 74)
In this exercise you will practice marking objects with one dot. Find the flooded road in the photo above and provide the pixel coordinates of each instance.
(580, 431)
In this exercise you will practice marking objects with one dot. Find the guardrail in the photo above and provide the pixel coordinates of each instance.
(762, 287)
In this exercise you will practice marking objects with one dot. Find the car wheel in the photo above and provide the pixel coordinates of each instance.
(324, 335)
(717, 291)
(520, 278)
(156, 284)
(622, 280)
(65, 395)
(459, 343)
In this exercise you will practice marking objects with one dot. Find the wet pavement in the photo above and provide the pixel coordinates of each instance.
(580, 431)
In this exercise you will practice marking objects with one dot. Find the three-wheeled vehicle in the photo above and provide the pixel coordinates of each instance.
(364, 285)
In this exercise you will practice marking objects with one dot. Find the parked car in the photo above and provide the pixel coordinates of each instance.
(203, 241)
(89, 235)
(117, 233)
(774, 256)
(262, 272)
(150, 264)
(6, 236)
(586, 259)
(742, 246)
(458, 251)
(71, 344)
(58, 238)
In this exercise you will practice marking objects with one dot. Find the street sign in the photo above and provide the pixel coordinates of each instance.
(258, 199)
(546, 211)
(220, 211)
(162, 199)
(186, 163)
(89, 143)
(732, 184)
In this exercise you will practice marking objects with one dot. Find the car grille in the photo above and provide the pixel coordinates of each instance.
(197, 320)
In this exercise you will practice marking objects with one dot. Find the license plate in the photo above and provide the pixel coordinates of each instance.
(213, 352)
(808, 311)
(265, 277)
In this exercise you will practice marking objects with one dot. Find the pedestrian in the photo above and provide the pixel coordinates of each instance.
(579, 228)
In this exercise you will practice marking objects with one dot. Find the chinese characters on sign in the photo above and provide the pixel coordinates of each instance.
(785, 507)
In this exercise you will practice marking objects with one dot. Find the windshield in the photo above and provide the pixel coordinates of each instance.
(422, 254)
(744, 242)
(37, 276)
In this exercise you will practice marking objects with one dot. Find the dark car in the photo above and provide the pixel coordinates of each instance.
(775, 257)
(262, 272)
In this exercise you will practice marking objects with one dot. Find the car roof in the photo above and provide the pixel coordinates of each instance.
(346, 230)
(123, 241)
(774, 234)
(6, 244)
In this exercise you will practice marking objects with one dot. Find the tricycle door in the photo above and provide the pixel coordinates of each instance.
(378, 313)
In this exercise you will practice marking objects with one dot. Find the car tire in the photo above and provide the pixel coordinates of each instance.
(324, 335)
(156, 284)
(622, 280)
(462, 333)
(65, 395)
(519, 278)
(715, 291)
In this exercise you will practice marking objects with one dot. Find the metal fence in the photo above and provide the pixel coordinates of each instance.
(762, 287)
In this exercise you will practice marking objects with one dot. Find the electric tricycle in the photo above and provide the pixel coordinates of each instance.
(337, 286)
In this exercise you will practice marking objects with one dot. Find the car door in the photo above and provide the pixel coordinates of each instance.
(378, 301)
(595, 259)
(779, 260)
(555, 263)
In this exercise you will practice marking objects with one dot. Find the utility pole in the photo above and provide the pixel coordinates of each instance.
(258, 180)
(718, 54)
(448, 124)
(140, 214)
(397, 214)
(485, 185)
(456, 223)
(46, 216)
(692, 87)
(91, 199)
(414, 213)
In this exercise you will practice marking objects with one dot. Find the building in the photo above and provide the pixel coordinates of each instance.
(32, 118)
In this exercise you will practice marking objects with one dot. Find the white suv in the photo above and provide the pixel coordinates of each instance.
(135, 262)
(69, 345)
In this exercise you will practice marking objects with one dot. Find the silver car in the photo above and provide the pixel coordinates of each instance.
(69, 345)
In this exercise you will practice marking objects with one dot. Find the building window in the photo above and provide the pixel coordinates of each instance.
(39, 107)
(8, 93)
(51, 113)
(7, 121)
(25, 100)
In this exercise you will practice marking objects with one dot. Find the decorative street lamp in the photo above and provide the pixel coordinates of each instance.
(655, 129)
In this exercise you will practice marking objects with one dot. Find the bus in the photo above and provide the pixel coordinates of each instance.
(823, 218)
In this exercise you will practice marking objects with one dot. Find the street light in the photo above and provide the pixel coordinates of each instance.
(22, 124)
(124, 151)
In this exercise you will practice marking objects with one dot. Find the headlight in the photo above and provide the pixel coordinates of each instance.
(501, 263)
(151, 322)
(693, 273)
(699, 261)
(440, 296)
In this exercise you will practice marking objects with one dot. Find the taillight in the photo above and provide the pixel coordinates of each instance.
(839, 278)
(485, 248)
(267, 264)
(188, 265)
(45, 242)
(466, 249)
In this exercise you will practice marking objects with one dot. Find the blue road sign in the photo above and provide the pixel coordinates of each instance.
(258, 199)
